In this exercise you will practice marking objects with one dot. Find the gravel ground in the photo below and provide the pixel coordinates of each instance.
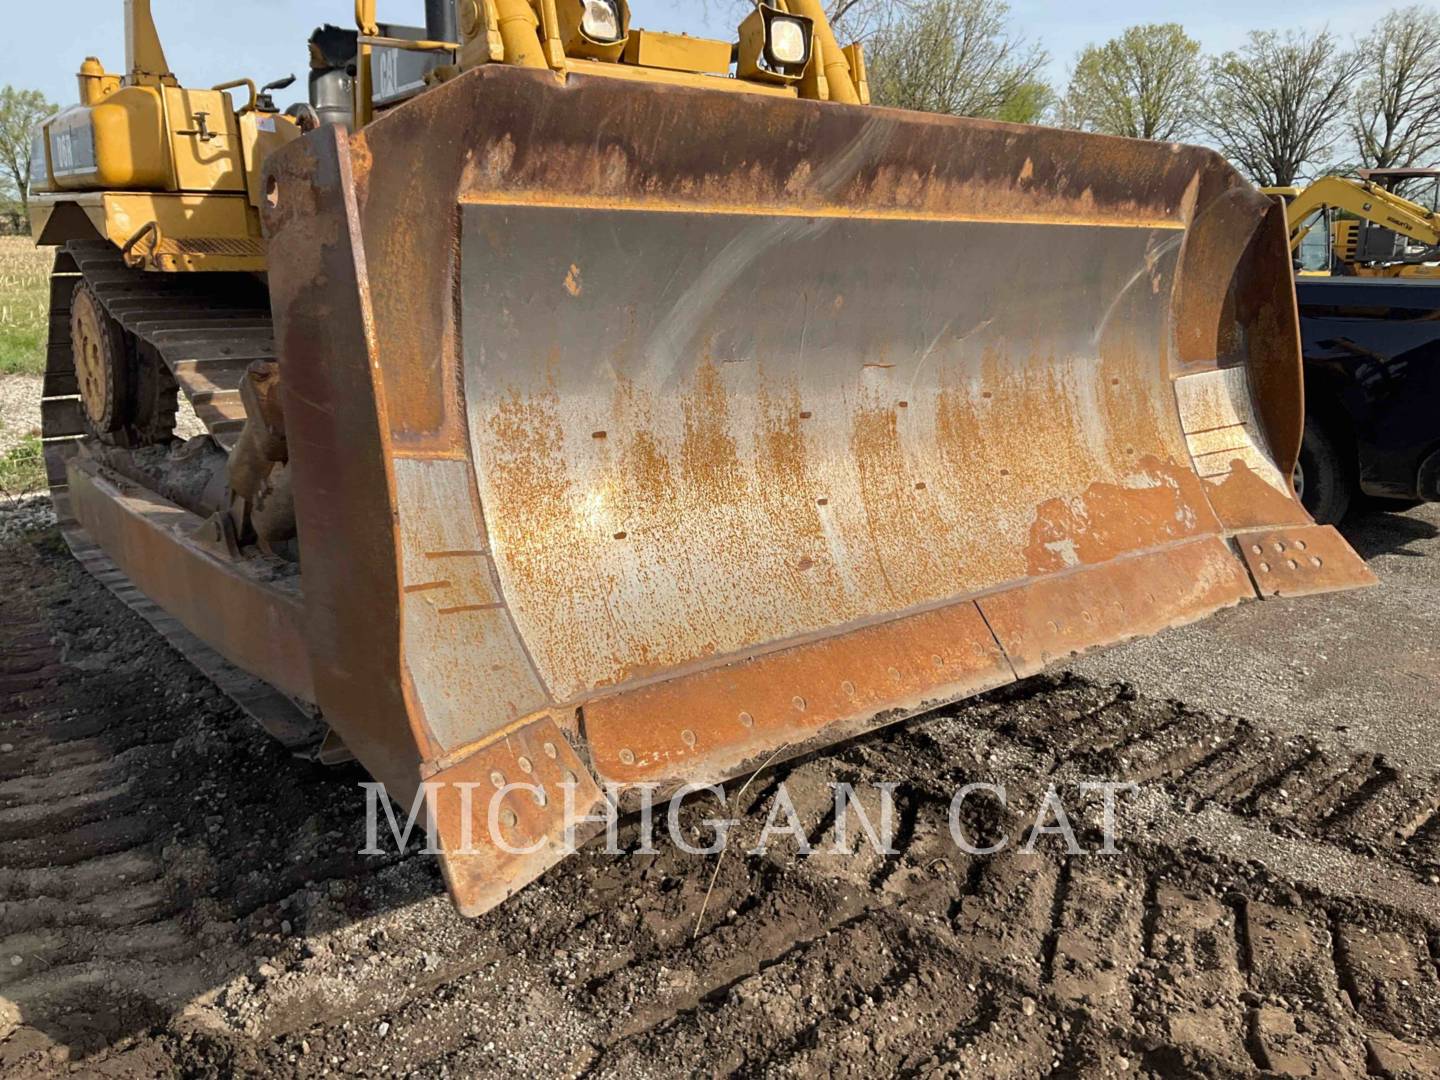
(1360, 665)
(22, 517)
(19, 409)
(180, 897)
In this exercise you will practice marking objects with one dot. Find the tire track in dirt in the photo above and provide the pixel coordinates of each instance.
(184, 897)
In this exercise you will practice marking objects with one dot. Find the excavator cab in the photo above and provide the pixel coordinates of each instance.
(1313, 254)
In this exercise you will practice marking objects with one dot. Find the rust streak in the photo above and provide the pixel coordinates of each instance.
(427, 586)
(1109, 519)
(469, 607)
(581, 202)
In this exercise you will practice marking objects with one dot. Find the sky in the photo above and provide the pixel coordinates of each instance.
(212, 41)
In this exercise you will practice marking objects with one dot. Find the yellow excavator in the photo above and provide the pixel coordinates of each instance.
(1368, 228)
(581, 409)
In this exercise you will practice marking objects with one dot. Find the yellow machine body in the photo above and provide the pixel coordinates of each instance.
(169, 174)
(139, 139)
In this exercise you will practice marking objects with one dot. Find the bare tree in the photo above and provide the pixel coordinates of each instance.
(20, 111)
(1275, 103)
(1395, 116)
(956, 56)
(852, 20)
(856, 20)
(1144, 84)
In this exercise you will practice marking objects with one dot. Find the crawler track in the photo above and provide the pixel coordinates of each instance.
(207, 328)
(184, 896)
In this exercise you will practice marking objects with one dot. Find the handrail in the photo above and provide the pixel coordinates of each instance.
(408, 44)
(236, 84)
(150, 228)
(365, 17)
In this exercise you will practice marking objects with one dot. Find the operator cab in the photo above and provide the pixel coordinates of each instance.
(1373, 243)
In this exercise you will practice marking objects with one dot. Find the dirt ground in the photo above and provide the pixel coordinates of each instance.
(180, 897)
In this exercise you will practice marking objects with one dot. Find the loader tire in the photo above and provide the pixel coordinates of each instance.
(1324, 478)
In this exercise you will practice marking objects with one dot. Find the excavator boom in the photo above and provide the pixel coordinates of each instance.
(1368, 201)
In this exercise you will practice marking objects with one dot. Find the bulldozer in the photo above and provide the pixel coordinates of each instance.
(580, 410)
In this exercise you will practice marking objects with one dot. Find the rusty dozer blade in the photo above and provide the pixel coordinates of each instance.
(640, 431)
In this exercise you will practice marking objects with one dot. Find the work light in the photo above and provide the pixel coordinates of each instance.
(775, 46)
(602, 21)
(787, 42)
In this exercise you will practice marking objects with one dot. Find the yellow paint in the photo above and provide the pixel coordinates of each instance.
(1368, 201)
(149, 138)
(677, 52)
(208, 158)
(517, 24)
(176, 173)
(261, 134)
(145, 61)
(570, 36)
(855, 54)
(219, 226)
(540, 33)
(676, 78)
(126, 132)
(749, 68)
(95, 84)
(1364, 200)
(837, 68)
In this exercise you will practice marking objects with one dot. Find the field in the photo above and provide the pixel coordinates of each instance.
(24, 271)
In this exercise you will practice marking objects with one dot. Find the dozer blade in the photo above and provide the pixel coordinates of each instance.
(639, 432)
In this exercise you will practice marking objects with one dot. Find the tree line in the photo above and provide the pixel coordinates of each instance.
(20, 111)
(1283, 107)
